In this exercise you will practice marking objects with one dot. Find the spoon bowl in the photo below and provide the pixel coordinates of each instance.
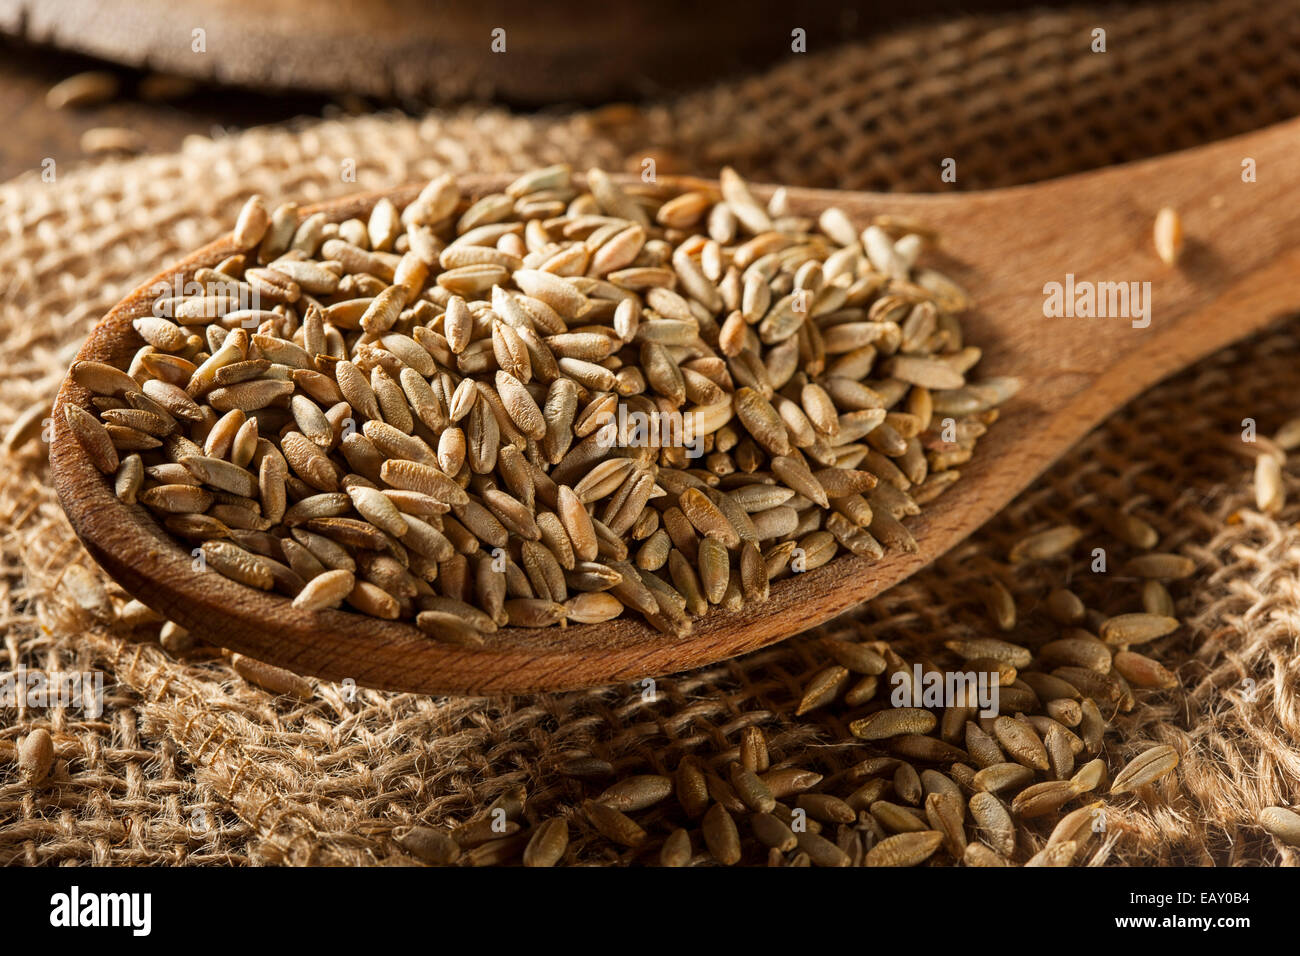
(1240, 270)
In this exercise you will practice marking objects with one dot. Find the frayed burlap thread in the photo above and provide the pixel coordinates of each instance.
(190, 764)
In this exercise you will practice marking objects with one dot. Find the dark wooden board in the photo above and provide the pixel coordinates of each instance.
(558, 51)
(34, 132)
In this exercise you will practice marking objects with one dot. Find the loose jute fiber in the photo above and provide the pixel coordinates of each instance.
(189, 763)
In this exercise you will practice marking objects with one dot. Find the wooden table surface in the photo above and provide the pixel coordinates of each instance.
(34, 131)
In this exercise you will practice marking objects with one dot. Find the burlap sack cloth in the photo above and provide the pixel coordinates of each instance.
(190, 764)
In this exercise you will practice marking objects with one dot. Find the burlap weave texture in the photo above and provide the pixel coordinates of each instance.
(190, 764)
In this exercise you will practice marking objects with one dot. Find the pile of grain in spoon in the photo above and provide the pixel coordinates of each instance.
(548, 404)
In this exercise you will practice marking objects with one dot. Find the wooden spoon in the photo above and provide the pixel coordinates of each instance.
(1239, 271)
